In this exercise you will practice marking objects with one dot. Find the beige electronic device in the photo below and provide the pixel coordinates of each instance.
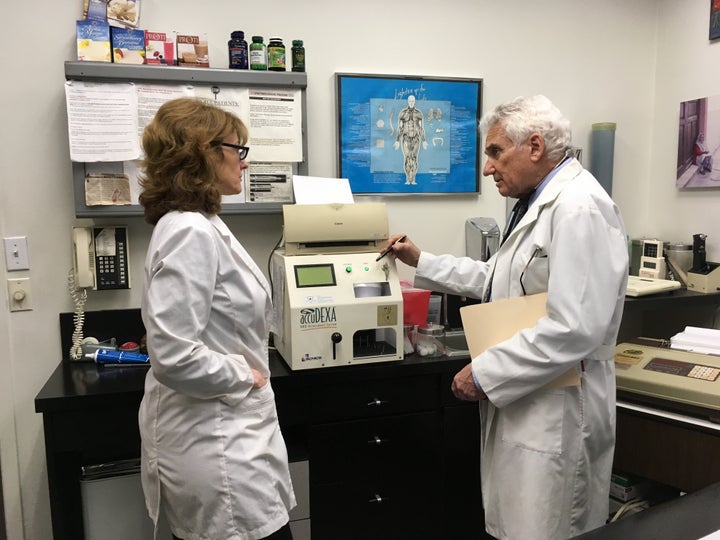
(335, 303)
(681, 376)
(642, 286)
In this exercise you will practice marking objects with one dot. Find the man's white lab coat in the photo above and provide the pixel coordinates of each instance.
(547, 452)
(211, 445)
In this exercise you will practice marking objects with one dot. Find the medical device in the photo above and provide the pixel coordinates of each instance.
(704, 276)
(652, 261)
(684, 377)
(335, 304)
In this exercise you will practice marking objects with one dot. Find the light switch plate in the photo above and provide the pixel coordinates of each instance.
(16, 253)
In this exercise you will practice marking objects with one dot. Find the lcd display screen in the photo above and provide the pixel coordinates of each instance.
(315, 275)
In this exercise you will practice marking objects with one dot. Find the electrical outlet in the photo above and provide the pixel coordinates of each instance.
(19, 294)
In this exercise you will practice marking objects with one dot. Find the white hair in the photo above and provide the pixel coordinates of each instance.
(526, 115)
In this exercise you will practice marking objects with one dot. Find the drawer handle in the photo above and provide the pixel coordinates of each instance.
(378, 441)
(376, 403)
(377, 499)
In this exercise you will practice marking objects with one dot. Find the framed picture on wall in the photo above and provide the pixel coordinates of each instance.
(714, 19)
(408, 134)
(698, 164)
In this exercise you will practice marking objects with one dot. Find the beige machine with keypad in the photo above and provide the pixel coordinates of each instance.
(685, 377)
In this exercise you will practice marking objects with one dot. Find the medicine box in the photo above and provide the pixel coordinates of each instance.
(159, 48)
(128, 45)
(625, 487)
(192, 51)
(93, 41)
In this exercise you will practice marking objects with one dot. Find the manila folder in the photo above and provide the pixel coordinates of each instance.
(491, 323)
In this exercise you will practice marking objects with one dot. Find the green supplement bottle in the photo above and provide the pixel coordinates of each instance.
(298, 55)
(258, 54)
(276, 54)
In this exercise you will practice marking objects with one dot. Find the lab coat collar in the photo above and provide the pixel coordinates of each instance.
(548, 194)
(242, 256)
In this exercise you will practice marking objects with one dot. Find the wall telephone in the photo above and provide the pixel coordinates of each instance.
(100, 259)
(100, 262)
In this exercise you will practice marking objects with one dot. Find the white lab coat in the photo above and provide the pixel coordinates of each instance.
(212, 451)
(547, 453)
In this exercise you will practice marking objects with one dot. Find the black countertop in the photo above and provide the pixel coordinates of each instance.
(80, 385)
(689, 517)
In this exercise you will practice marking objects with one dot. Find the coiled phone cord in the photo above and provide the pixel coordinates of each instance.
(79, 297)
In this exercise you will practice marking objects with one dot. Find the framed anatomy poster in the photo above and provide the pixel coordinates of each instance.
(409, 134)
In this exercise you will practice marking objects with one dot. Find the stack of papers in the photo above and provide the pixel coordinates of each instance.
(700, 340)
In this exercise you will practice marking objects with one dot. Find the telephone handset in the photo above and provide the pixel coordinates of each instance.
(100, 258)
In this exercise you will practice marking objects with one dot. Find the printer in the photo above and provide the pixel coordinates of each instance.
(335, 303)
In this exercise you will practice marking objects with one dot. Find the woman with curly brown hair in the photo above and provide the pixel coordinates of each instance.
(213, 457)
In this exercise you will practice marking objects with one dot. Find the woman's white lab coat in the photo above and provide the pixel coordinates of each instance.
(212, 450)
(547, 451)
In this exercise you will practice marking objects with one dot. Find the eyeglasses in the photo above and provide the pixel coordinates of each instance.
(242, 151)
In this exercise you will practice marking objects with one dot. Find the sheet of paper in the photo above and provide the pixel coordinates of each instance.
(491, 323)
(275, 125)
(152, 96)
(317, 190)
(232, 99)
(102, 121)
(269, 182)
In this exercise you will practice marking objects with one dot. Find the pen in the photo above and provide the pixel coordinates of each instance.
(388, 250)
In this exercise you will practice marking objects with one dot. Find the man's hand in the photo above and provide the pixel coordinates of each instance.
(463, 385)
(406, 251)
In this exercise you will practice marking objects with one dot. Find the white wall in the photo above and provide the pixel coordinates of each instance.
(599, 61)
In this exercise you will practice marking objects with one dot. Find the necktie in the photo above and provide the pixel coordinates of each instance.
(516, 215)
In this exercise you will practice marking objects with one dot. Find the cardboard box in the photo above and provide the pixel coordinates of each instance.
(159, 48)
(128, 45)
(95, 10)
(123, 13)
(93, 41)
(192, 51)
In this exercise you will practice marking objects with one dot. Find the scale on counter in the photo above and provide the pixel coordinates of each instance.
(682, 377)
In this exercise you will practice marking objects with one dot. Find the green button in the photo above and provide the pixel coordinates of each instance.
(348, 269)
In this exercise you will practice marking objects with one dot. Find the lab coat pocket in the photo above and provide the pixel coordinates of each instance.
(534, 422)
(536, 275)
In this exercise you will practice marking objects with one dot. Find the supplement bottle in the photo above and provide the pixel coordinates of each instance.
(276, 54)
(298, 55)
(238, 50)
(258, 54)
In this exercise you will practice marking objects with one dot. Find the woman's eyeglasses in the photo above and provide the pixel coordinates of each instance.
(242, 151)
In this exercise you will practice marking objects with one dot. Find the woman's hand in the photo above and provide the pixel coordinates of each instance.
(259, 380)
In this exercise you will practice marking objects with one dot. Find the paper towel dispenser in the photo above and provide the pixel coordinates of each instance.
(482, 238)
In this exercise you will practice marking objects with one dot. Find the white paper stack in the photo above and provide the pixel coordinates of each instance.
(701, 340)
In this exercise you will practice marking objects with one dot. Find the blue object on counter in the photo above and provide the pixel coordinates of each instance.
(105, 356)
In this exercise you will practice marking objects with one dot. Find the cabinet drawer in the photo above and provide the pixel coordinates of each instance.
(357, 512)
(377, 397)
(392, 449)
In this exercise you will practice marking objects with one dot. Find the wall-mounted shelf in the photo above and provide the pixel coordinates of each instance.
(108, 72)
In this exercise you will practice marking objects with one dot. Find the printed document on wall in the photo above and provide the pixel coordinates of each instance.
(276, 125)
(102, 121)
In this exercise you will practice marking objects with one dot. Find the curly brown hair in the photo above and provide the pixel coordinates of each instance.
(182, 156)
